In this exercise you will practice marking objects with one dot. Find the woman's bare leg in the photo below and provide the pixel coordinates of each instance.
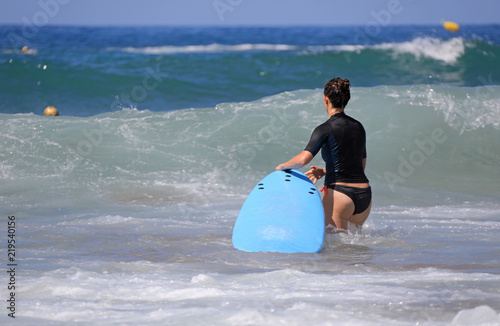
(328, 208)
(342, 210)
(339, 209)
(360, 218)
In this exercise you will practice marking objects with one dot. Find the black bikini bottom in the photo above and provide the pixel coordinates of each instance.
(361, 197)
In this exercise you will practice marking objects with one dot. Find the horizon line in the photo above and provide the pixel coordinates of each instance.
(242, 25)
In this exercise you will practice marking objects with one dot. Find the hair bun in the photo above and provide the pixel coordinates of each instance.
(345, 84)
(338, 92)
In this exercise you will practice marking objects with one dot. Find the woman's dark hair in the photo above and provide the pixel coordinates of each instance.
(338, 92)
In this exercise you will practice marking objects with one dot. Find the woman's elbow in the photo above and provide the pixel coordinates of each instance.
(305, 158)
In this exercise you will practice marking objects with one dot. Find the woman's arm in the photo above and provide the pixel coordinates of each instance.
(297, 162)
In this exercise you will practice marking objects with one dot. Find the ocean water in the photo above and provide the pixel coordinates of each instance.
(124, 205)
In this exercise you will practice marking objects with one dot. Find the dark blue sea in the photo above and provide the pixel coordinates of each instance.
(124, 204)
(85, 71)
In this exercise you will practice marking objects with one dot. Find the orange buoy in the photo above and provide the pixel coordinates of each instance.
(50, 111)
(451, 26)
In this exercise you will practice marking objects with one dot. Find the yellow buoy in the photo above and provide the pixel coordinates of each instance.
(451, 26)
(50, 111)
(25, 49)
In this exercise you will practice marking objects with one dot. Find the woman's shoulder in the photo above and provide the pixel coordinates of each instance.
(351, 119)
(325, 127)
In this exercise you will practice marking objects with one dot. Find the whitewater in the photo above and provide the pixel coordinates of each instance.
(127, 216)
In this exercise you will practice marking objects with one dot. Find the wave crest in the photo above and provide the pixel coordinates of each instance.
(448, 51)
(209, 48)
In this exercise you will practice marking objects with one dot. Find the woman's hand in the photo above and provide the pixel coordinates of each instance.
(315, 173)
(281, 167)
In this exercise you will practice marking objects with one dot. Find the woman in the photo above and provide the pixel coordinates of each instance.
(342, 142)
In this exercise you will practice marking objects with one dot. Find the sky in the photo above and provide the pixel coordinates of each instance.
(247, 12)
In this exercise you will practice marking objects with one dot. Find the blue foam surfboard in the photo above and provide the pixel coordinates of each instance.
(283, 213)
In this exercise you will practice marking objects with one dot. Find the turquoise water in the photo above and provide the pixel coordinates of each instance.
(125, 213)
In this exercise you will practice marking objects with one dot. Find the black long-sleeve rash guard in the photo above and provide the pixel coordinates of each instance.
(342, 141)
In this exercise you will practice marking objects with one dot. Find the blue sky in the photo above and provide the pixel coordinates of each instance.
(247, 12)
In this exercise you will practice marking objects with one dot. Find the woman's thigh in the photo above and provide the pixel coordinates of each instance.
(343, 208)
(338, 209)
(360, 218)
(328, 208)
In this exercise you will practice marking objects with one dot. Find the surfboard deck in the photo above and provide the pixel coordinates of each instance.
(283, 213)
